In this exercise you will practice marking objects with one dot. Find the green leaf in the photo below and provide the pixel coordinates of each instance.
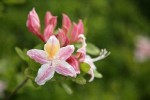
(39, 46)
(33, 65)
(21, 53)
(67, 88)
(84, 67)
(80, 80)
(30, 73)
(92, 49)
(97, 74)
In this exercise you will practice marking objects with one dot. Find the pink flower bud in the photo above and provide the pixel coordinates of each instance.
(48, 31)
(50, 19)
(33, 22)
(48, 16)
(74, 63)
(66, 23)
(63, 39)
(74, 33)
(80, 27)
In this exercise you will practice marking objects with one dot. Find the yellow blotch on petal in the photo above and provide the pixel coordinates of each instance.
(52, 47)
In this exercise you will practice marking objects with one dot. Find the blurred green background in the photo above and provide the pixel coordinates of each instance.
(111, 24)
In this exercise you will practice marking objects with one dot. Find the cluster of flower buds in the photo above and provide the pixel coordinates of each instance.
(60, 54)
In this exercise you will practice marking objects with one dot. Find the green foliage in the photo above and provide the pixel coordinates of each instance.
(97, 74)
(92, 49)
(21, 53)
(80, 80)
(67, 88)
(10, 2)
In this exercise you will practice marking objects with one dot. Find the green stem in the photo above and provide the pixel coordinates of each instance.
(17, 88)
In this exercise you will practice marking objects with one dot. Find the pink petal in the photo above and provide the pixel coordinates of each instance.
(74, 33)
(65, 69)
(66, 52)
(81, 52)
(52, 47)
(45, 73)
(74, 63)
(48, 31)
(53, 21)
(38, 55)
(48, 16)
(66, 23)
(63, 39)
(80, 27)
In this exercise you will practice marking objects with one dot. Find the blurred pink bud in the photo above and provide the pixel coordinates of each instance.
(63, 39)
(66, 23)
(33, 22)
(2, 88)
(142, 51)
(74, 63)
(48, 31)
(50, 19)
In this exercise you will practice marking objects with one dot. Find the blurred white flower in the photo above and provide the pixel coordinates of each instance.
(142, 51)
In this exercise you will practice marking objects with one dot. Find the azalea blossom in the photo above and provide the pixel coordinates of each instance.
(58, 54)
(53, 59)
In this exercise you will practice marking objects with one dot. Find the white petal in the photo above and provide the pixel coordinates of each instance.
(91, 72)
(38, 55)
(66, 52)
(45, 73)
(65, 69)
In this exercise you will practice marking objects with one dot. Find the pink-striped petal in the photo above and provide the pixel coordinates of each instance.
(62, 37)
(48, 31)
(53, 21)
(74, 63)
(66, 23)
(74, 33)
(52, 47)
(48, 16)
(45, 73)
(39, 56)
(33, 22)
(65, 69)
(65, 52)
